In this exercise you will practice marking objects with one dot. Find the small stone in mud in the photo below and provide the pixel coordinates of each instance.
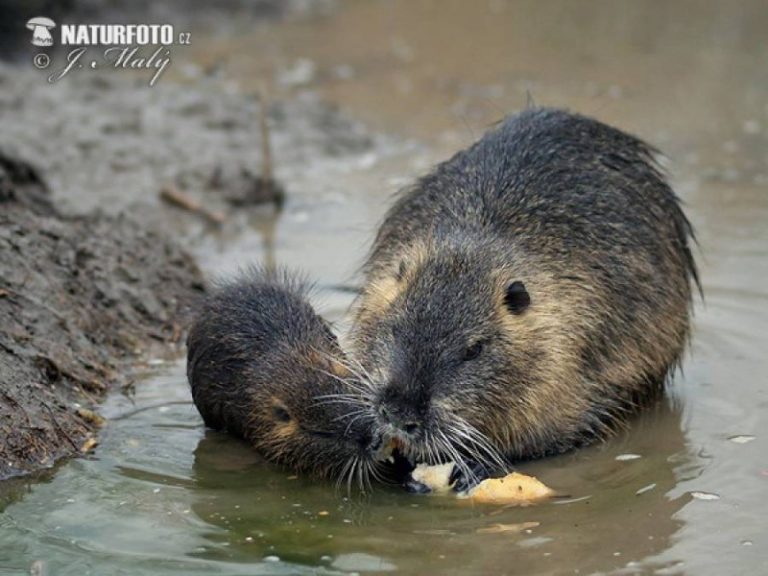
(88, 445)
(91, 417)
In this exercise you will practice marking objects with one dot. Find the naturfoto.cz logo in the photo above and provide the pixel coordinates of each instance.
(128, 46)
(40, 27)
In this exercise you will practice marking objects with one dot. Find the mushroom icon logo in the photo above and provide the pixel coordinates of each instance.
(40, 26)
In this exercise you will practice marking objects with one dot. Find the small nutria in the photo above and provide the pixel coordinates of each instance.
(527, 295)
(265, 367)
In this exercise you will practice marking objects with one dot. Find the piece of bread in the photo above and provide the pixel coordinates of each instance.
(514, 488)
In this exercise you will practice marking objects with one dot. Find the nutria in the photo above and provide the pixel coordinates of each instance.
(265, 367)
(527, 295)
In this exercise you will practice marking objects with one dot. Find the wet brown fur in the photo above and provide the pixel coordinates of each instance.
(578, 212)
(263, 366)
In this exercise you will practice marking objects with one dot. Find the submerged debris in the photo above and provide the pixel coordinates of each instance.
(645, 489)
(240, 186)
(513, 528)
(176, 197)
(705, 496)
(742, 439)
(627, 457)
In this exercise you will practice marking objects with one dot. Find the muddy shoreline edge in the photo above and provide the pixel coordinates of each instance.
(85, 302)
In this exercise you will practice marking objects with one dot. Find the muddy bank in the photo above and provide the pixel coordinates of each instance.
(84, 301)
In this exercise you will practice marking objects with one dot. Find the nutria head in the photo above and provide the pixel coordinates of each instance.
(306, 410)
(263, 366)
(469, 347)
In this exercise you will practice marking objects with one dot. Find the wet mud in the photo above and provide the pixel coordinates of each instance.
(84, 300)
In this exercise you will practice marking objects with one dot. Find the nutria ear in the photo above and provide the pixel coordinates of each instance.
(517, 298)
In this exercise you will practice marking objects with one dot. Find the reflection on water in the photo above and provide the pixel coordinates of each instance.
(419, 534)
(162, 496)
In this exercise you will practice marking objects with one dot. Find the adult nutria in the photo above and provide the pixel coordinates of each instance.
(527, 295)
(264, 366)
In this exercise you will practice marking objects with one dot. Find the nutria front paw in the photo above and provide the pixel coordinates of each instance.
(466, 477)
(416, 487)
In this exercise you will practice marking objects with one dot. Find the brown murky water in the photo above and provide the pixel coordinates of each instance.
(164, 496)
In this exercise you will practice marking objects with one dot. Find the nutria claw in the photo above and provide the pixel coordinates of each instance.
(461, 481)
(415, 487)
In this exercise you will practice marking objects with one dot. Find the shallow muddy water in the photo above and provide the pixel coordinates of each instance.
(682, 491)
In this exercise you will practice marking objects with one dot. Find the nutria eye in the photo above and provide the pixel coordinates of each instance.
(517, 298)
(473, 351)
(281, 414)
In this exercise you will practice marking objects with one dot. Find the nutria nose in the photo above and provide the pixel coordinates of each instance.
(410, 427)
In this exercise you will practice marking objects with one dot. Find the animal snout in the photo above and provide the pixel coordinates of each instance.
(401, 422)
